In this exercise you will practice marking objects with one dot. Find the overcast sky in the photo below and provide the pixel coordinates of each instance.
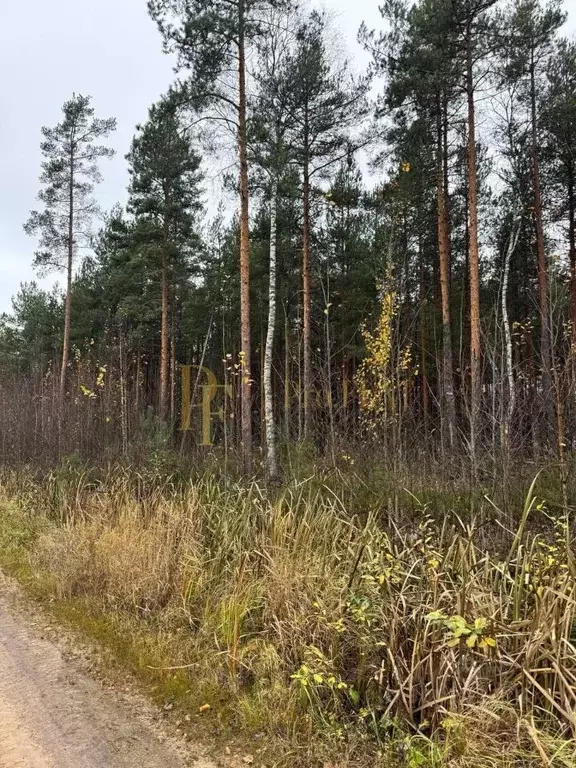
(108, 49)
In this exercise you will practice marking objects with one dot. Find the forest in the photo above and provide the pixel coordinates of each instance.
(310, 391)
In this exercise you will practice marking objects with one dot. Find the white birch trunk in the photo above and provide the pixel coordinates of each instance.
(271, 458)
(509, 411)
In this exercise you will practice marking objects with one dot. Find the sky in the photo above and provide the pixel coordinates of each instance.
(110, 50)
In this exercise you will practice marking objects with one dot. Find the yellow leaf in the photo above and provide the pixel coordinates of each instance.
(205, 707)
(480, 624)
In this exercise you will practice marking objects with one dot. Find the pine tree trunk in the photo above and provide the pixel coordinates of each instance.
(245, 389)
(172, 378)
(306, 299)
(69, 266)
(272, 468)
(572, 256)
(473, 263)
(448, 399)
(164, 341)
(123, 398)
(287, 374)
(423, 339)
(137, 386)
(545, 335)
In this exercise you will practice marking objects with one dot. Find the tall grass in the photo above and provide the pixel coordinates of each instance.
(419, 638)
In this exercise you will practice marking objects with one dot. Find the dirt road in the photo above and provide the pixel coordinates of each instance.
(53, 715)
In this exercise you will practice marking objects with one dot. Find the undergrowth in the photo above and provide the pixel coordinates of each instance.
(392, 632)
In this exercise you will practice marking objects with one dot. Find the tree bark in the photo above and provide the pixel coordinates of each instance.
(474, 261)
(448, 398)
(306, 295)
(509, 370)
(245, 388)
(545, 334)
(423, 343)
(572, 256)
(123, 398)
(271, 463)
(69, 267)
(172, 377)
(137, 385)
(164, 337)
(287, 374)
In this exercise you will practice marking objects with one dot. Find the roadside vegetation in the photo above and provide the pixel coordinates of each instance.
(342, 627)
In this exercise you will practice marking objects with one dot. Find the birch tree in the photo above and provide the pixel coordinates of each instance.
(211, 39)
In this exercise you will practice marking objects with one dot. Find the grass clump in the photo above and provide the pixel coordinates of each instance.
(366, 637)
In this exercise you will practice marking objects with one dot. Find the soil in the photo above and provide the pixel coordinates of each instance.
(54, 714)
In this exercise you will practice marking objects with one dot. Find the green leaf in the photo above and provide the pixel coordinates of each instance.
(354, 696)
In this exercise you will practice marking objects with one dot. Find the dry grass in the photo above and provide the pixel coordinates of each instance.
(412, 645)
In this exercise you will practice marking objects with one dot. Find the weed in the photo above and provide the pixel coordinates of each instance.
(394, 641)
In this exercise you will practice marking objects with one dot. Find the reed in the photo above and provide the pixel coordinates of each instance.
(411, 637)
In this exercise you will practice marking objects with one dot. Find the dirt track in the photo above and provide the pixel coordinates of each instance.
(53, 715)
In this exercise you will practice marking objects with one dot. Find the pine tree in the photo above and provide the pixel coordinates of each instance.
(326, 105)
(420, 51)
(559, 122)
(473, 24)
(164, 199)
(69, 174)
(531, 30)
(211, 38)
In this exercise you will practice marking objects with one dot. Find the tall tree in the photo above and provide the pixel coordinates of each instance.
(164, 198)
(211, 38)
(69, 174)
(532, 28)
(473, 24)
(271, 153)
(326, 106)
(421, 53)
(559, 121)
